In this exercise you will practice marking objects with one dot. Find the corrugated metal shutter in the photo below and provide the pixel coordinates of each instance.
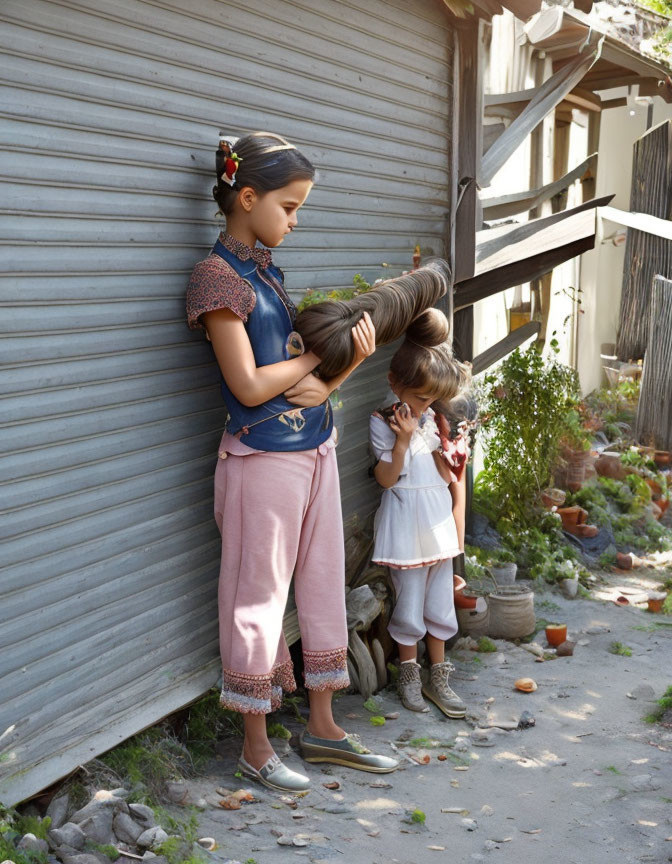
(110, 409)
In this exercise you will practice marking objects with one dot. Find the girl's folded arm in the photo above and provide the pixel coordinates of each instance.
(250, 384)
(387, 473)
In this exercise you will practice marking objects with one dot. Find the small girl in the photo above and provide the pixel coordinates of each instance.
(419, 527)
(277, 499)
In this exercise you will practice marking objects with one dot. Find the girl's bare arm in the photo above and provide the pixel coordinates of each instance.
(459, 492)
(249, 383)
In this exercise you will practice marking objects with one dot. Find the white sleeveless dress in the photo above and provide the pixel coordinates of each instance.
(414, 525)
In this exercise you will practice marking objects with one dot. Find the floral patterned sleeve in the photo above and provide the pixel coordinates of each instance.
(214, 284)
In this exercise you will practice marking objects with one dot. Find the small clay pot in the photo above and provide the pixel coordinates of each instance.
(624, 560)
(662, 458)
(556, 634)
(656, 602)
(609, 465)
(570, 515)
(552, 497)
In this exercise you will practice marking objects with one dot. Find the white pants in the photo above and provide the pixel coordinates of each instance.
(424, 603)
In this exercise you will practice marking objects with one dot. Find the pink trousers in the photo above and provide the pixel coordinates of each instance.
(278, 514)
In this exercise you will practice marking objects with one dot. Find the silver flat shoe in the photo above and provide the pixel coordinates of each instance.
(346, 751)
(275, 775)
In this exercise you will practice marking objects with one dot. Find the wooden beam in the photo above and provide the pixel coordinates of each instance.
(622, 79)
(505, 346)
(640, 221)
(468, 79)
(491, 133)
(487, 284)
(614, 103)
(585, 99)
(502, 206)
(504, 245)
(550, 94)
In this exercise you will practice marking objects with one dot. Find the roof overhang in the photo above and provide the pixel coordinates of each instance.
(522, 9)
(561, 33)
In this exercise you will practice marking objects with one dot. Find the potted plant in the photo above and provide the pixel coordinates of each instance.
(503, 567)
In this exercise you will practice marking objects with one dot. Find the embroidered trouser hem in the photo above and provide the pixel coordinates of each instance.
(326, 670)
(257, 694)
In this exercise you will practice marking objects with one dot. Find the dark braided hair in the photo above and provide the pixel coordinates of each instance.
(267, 162)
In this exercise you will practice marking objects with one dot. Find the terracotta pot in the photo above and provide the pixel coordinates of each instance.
(654, 486)
(662, 458)
(609, 465)
(587, 530)
(656, 604)
(552, 497)
(556, 634)
(624, 560)
(570, 515)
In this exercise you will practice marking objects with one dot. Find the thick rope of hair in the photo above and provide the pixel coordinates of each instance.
(326, 328)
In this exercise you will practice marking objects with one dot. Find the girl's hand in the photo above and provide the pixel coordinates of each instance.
(308, 392)
(404, 423)
(364, 338)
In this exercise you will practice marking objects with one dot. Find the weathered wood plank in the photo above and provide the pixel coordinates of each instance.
(497, 247)
(654, 411)
(647, 253)
(505, 346)
(486, 284)
(550, 94)
(499, 207)
(468, 78)
(640, 221)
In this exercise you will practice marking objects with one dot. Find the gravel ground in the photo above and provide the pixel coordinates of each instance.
(590, 782)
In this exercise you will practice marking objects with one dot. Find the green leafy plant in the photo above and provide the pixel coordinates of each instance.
(620, 649)
(418, 816)
(377, 720)
(360, 286)
(525, 411)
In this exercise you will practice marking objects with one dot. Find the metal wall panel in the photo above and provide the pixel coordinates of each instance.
(109, 407)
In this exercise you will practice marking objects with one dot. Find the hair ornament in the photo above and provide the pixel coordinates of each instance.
(231, 160)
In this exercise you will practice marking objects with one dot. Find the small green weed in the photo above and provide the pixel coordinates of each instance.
(418, 816)
(371, 705)
(613, 769)
(108, 850)
(377, 720)
(664, 705)
(548, 606)
(486, 645)
(33, 825)
(394, 673)
(277, 730)
(620, 649)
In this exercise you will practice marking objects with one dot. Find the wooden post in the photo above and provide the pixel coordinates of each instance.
(645, 254)
(468, 96)
(654, 412)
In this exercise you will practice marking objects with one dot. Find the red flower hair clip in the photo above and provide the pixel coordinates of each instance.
(231, 161)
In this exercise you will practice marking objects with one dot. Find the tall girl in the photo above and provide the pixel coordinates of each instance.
(419, 527)
(277, 499)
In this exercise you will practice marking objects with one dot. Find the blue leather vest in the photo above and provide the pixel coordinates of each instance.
(277, 424)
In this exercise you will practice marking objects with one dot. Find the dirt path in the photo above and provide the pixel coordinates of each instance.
(589, 783)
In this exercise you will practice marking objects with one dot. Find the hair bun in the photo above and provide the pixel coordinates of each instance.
(429, 330)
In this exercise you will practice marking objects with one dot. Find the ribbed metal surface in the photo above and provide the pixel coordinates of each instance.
(110, 408)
